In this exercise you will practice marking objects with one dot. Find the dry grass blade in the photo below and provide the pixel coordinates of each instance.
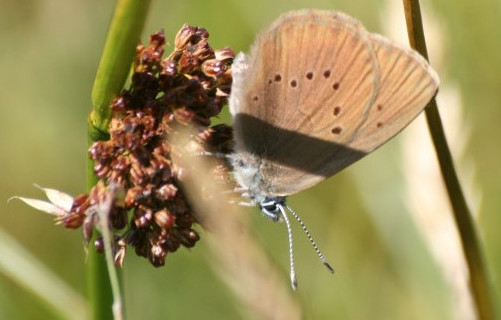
(479, 279)
(237, 258)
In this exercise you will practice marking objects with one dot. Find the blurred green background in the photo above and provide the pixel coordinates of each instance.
(362, 218)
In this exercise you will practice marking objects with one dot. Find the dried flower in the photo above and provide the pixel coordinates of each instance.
(135, 166)
(183, 89)
(224, 54)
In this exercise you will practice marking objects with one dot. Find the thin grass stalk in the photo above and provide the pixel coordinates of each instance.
(479, 279)
(234, 254)
(123, 35)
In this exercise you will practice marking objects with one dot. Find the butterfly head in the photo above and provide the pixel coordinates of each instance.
(272, 208)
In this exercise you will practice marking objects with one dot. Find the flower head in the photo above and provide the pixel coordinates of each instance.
(136, 165)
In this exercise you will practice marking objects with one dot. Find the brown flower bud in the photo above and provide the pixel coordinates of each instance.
(168, 67)
(149, 124)
(157, 39)
(117, 178)
(185, 220)
(224, 54)
(188, 237)
(137, 176)
(144, 80)
(71, 220)
(166, 192)
(213, 68)
(218, 138)
(80, 203)
(224, 84)
(164, 219)
(201, 34)
(162, 167)
(170, 242)
(120, 163)
(202, 50)
(183, 36)
(118, 218)
(101, 170)
(87, 229)
(137, 195)
(188, 63)
(121, 249)
(142, 216)
(99, 244)
(158, 254)
(139, 49)
(101, 150)
(179, 205)
(122, 102)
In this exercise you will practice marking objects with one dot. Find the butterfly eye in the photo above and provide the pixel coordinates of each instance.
(270, 207)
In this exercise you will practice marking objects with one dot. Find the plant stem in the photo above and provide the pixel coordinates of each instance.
(99, 293)
(114, 66)
(479, 279)
(123, 36)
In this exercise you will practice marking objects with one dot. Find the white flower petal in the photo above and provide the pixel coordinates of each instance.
(58, 198)
(42, 205)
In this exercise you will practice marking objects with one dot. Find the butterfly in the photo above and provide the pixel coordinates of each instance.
(317, 93)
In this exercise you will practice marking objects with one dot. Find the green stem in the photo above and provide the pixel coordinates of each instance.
(99, 291)
(119, 49)
(114, 66)
(103, 210)
(479, 279)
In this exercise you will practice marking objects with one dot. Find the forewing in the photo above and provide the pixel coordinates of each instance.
(302, 95)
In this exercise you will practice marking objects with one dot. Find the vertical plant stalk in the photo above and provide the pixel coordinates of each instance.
(479, 279)
(103, 211)
(123, 35)
(234, 254)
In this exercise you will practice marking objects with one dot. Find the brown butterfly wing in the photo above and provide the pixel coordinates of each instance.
(407, 84)
(301, 97)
